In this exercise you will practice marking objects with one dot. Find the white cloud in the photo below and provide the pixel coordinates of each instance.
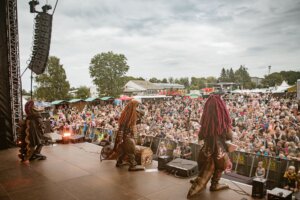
(170, 38)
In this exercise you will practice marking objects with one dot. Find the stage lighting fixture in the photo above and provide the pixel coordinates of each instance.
(32, 4)
(66, 137)
(46, 7)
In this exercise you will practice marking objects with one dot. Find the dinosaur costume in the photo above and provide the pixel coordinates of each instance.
(31, 135)
(213, 158)
(127, 135)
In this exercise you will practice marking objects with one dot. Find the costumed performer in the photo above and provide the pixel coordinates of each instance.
(213, 158)
(127, 136)
(31, 135)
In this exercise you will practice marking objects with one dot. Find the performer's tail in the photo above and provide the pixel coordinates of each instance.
(200, 182)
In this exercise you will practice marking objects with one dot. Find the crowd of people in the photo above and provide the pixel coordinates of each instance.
(262, 124)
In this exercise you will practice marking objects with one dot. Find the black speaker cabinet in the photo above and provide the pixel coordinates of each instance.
(182, 167)
(280, 194)
(162, 162)
(259, 187)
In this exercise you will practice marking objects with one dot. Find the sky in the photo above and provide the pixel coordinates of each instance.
(169, 38)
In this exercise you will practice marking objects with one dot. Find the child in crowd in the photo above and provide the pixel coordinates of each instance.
(290, 178)
(260, 170)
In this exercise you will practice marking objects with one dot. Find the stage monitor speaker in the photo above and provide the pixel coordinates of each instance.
(162, 162)
(42, 39)
(182, 167)
(259, 187)
(280, 194)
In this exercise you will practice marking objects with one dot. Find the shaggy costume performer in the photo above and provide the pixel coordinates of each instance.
(127, 135)
(213, 158)
(31, 135)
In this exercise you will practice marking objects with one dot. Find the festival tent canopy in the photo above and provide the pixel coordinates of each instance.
(193, 96)
(293, 89)
(106, 98)
(125, 98)
(282, 88)
(75, 100)
(90, 99)
(57, 102)
(42, 104)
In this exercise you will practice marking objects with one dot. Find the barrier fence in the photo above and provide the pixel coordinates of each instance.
(244, 164)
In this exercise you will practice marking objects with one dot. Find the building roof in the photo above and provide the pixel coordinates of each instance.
(169, 85)
(139, 85)
(146, 84)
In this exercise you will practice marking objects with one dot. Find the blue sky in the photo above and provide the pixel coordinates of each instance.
(170, 38)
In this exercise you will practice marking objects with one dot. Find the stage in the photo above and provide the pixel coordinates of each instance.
(74, 172)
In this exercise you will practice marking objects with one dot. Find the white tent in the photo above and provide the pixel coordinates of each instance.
(282, 88)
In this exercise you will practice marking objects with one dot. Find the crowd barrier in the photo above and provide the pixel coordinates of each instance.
(244, 164)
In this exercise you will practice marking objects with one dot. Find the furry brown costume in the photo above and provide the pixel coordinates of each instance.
(127, 135)
(31, 135)
(213, 158)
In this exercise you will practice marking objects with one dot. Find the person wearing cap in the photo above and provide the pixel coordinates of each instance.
(186, 151)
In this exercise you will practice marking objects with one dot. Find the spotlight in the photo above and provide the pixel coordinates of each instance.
(66, 137)
(32, 4)
(46, 7)
(66, 134)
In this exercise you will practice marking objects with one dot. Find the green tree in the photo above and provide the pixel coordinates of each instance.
(125, 79)
(185, 81)
(242, 76)
(82, 92)
(211, 80)
(223, 75)
(231, 76)
(198, 83)
(290, 76)
(171, 80)
(53, 84)
(154, 80)
(107, 71)
(276, 78)
(272, 80)
(164, 80)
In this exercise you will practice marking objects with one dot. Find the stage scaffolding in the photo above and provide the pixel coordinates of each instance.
(14, 64)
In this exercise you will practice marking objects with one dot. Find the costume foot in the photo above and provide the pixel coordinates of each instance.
(197, 187)
(118, 164)
(41, 157)
(38, 156)
(21, 157)
(218, 187)
(136, 168)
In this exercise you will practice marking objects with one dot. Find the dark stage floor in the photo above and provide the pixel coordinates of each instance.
(73, 171)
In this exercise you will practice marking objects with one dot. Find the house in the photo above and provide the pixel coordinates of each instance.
(256, 80)
(170, 89)
(225, 86)
(139, 87)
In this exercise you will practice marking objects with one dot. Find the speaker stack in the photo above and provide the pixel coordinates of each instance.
(42, 39)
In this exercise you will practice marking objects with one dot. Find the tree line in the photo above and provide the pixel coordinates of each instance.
(108, 72)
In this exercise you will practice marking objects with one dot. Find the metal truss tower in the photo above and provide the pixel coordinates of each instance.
(14, 64)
